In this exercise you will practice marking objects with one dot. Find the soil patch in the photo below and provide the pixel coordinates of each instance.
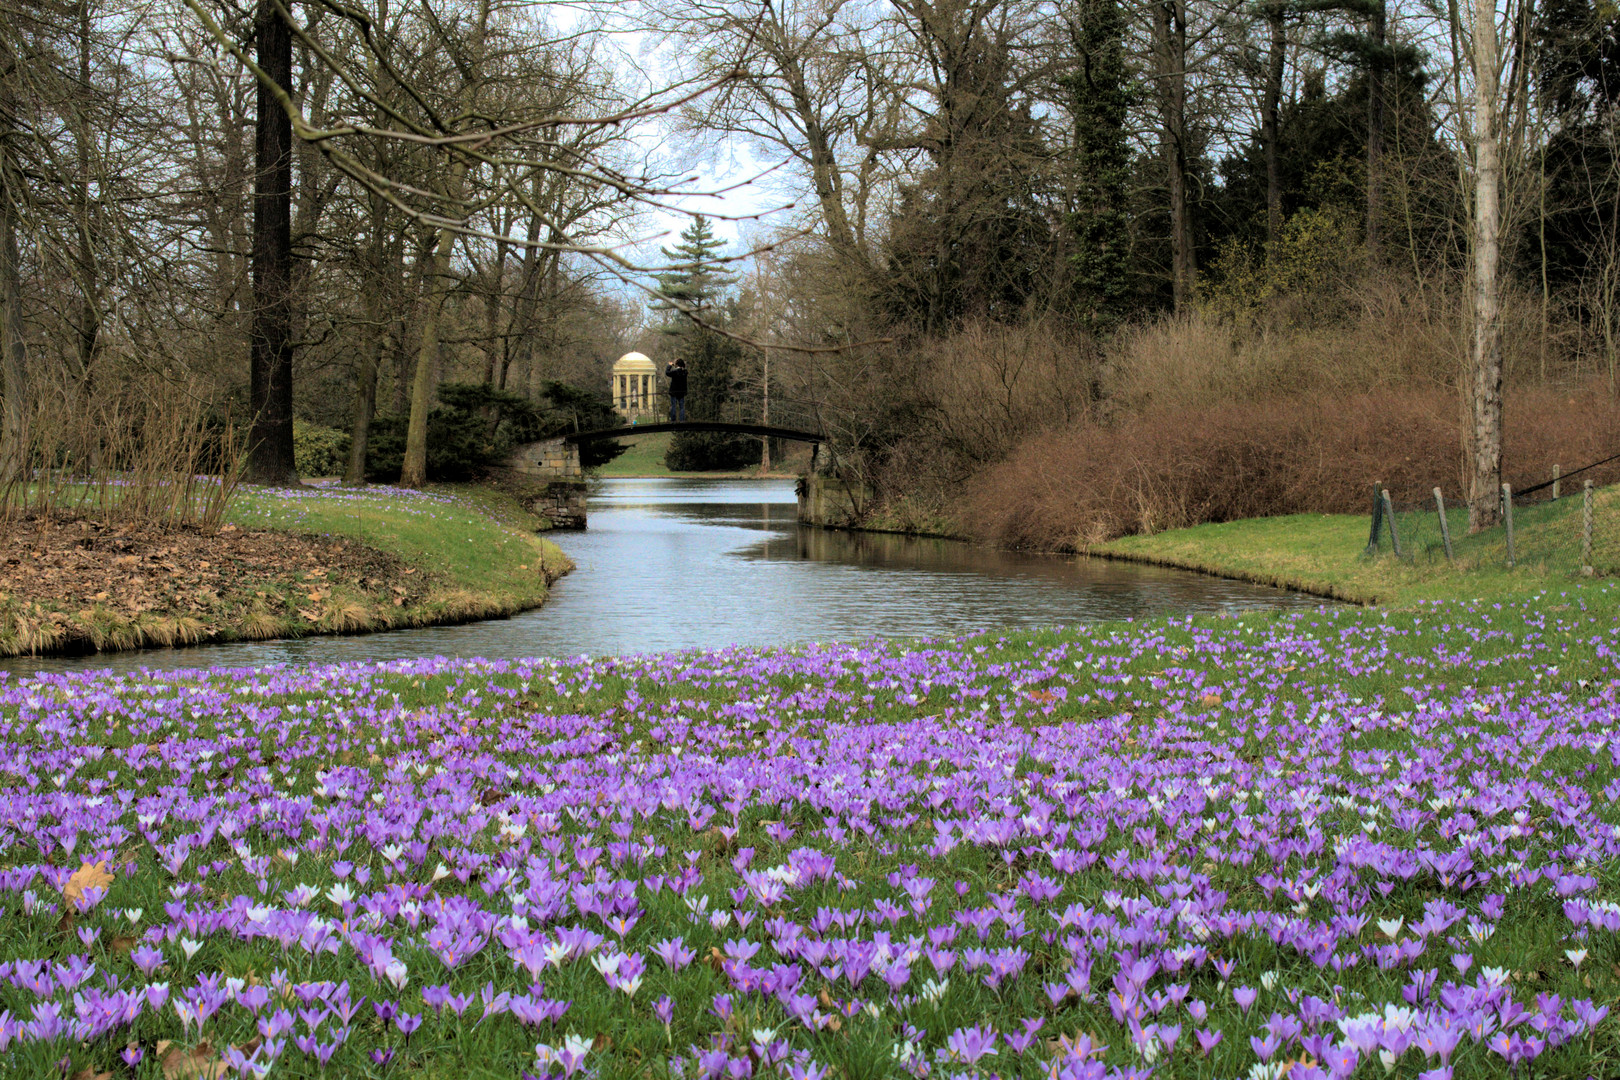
(80, 580)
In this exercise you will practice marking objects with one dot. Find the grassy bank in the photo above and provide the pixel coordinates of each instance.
(288, 563)
(1209, 847)
(1323, 554)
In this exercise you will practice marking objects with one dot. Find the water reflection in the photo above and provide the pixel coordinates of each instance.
(673, 564)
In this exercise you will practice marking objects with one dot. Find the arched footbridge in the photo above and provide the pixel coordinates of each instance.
(559, 492)
(558, 458)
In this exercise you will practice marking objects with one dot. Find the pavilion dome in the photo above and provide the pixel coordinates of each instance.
(634, 363)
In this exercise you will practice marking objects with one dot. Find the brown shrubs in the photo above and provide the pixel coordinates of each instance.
(1172, 466)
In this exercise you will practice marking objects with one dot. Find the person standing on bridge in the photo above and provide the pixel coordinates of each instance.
(676, 373)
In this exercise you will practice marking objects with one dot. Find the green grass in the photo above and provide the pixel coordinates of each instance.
(1324, 553)
(481, 542)
(645, 457)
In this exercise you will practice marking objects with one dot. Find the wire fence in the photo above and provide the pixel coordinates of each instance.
(1562, 525)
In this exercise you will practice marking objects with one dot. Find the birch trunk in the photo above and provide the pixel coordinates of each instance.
(1485, 337)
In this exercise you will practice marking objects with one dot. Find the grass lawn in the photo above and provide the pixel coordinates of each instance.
(1342, 842)
(479, 541)
(1323, 553)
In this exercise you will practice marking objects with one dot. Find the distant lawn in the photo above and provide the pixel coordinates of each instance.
(645, 457)
(1324, 553)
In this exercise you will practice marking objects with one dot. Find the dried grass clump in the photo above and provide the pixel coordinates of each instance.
(151, 452)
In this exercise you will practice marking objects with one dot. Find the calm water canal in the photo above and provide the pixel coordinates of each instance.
(675, 564)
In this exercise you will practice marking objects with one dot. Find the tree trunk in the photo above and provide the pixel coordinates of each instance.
(1375, 128)
(1270, 121)
(1171, 56)
(414, 471)
(1485, 337)
(88, 328)
(494, 305)
(365, 404)
(765, 409)
(371, 353)
(270, 453)
(13, 348)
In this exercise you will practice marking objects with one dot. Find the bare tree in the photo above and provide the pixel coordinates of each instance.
(270, 454)
(1492, 122)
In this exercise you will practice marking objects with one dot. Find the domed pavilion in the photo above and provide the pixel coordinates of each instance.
(635, 386)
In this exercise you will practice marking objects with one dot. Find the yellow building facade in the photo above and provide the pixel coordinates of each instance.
(635, 385)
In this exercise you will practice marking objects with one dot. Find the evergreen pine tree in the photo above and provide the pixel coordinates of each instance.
(1099, 96)
(695, 281)
(693, 296)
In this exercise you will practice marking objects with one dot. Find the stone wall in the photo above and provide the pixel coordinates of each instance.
(549, 458)
(560, 502)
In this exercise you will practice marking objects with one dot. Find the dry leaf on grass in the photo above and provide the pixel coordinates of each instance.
(91, 1073)
(200, 1062)
(1211, 697)
(86, 877)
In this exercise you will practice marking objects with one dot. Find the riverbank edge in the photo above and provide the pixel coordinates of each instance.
(449, 601)
(1320, 555)
(1325, 590)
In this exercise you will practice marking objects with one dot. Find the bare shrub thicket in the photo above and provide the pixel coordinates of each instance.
(156, 452)
(1395, 333)
(951, 405)
(1178, 465)
(990, 385)
(1209, 415)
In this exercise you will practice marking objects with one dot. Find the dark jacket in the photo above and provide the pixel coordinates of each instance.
(677, 380)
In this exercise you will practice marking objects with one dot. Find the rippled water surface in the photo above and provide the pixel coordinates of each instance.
(675, 563)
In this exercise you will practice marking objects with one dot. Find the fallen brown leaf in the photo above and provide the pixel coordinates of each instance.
(86, 877)
(200, 1062)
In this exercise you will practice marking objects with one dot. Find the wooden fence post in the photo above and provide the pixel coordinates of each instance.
(1507, 519)
(1445, 526)
(1377, 518)
(1555, 483)
(1389, 512)
(1586, 529)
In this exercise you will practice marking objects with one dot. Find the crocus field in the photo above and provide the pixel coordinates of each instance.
(1333, 843)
